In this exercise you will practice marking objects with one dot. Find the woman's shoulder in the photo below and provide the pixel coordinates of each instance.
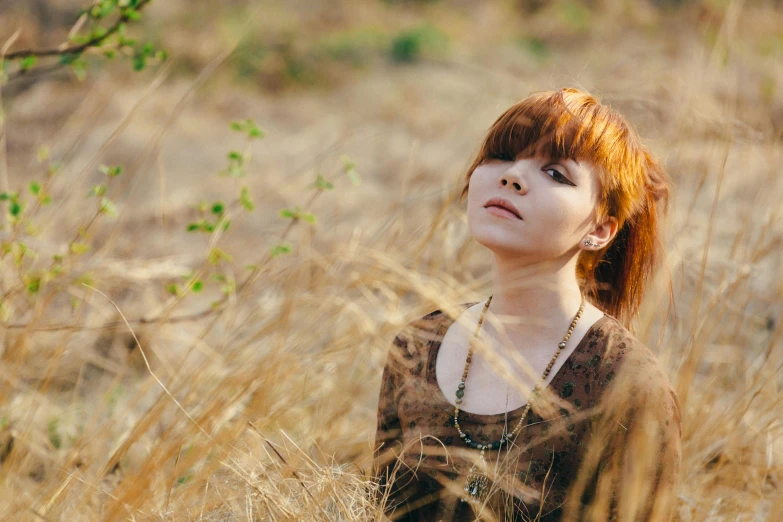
(415, 337)
(626, 357)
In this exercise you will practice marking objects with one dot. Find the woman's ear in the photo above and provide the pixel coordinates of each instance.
(604, 232)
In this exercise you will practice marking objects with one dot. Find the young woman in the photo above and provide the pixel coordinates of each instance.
(539, 403)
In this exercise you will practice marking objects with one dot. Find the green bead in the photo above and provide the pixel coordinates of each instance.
(460, 393)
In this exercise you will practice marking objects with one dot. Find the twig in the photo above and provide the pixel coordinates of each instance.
(74, 49)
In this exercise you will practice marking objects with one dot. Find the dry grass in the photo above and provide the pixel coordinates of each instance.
(266, 411)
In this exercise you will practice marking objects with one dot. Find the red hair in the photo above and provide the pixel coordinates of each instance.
(573, 124)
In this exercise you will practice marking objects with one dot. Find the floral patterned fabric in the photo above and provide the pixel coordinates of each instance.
(421, 462)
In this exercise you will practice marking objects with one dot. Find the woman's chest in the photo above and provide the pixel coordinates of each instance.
(498, 375)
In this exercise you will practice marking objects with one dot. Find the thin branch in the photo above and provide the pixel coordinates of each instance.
(76, 49)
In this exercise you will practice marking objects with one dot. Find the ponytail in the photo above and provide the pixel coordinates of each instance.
(616, 279)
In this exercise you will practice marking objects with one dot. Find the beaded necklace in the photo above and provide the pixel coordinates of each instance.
(476, 484)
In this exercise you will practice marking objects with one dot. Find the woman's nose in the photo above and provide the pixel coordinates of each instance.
(514, 179)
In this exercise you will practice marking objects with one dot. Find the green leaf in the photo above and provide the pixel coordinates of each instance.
(202, 225)
(79, 68)
(110, 54)
(132, 14)
(98, 33)
(172, 289)
(112, 172)
(244, 199)
(197, 287)
(6, 196)
(235, 171)
(308, 217)
(34, 285)
(255, 132)
(349, 167)
(31, 229)
(287, 213)
(69, 58)
(78, 248)
(35, 188)
(280, 249)
(107, 207)
(79, 38)
(348, 163)
(54, 436)
(98, 190)
(218, 207)
(15, 209)
(126, 42)
(217, 255)
(236, 156)
(139, 62)
(103, 9)
(322, 184)
(354, 177)
(27, 62)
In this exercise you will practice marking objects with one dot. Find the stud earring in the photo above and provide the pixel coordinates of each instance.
(590, 243)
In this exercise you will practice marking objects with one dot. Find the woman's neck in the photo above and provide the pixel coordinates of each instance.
(540, 297)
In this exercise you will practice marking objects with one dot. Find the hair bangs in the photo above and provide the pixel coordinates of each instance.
(572, 125)
(543, 125)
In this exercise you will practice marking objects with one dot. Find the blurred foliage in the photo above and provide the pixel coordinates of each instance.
(536, 47)
(292, 59)
(410, 45)
(100, 28)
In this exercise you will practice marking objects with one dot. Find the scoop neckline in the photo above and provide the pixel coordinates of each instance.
(433, 348)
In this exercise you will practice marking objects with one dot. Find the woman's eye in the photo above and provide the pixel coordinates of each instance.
(558, 176)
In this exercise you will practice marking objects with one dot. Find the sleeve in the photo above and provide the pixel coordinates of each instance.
(386, 466)
(631, 468)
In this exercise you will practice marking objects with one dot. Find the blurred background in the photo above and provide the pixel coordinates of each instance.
(217, 215)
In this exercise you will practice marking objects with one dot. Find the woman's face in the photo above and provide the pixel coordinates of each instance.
(556, 200)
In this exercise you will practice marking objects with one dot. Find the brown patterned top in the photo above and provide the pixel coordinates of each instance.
(421, 462)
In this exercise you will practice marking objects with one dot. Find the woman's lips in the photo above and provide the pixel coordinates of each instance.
(502, 212)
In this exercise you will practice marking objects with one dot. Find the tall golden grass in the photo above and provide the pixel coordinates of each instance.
(120, 402)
